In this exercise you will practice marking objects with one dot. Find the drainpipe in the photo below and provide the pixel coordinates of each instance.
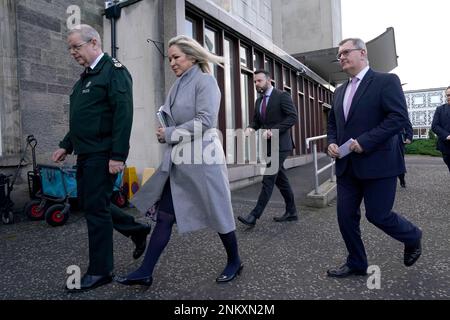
(112, 12)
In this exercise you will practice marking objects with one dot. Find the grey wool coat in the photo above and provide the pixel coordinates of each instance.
(194, 159)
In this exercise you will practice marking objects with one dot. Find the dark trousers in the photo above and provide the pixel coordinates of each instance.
(95, 187)
(401, 177)
(281, 181)
(379, 196)
(446, 158)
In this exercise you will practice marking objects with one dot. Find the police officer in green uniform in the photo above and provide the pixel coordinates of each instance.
(101, 115)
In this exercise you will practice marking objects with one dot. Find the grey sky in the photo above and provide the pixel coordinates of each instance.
(421, 40)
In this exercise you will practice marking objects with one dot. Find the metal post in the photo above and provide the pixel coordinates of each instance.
(332, 170)
(316, 165)
(316, 175)
(112, 12)
(113, 37)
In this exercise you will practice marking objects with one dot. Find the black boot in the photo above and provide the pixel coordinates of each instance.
(234, 265)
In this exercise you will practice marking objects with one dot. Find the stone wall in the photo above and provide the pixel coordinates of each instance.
(10, 124)
(45, 70)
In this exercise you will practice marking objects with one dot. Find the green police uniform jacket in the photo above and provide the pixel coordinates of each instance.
(101, 111)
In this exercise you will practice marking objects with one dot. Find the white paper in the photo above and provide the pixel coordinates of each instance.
(345, 148)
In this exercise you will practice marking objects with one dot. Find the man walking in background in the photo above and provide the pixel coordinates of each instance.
(274, 110)
(441, 126)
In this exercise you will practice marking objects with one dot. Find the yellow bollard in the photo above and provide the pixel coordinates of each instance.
(148, 172)
(130, 182)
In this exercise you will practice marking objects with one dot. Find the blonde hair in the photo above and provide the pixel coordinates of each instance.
(193, 49)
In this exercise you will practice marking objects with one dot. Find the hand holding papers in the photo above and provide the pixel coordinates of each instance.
(345, 148)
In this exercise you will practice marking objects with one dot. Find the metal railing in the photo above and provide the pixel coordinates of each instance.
(316, 168)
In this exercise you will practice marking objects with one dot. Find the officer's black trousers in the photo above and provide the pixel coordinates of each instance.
(95, 187)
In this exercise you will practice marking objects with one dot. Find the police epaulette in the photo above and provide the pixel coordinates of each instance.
(116, 63)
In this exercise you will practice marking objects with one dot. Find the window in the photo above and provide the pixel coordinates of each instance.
(286, 77)
(189, 28)
(210, 44)
(257, 61)
(268, 66)
(245, 56)
(418, 100)
(246, 101)
(229, 84)
(278, 76)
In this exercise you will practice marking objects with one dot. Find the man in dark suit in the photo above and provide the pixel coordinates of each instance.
(441, 126)
(274, 110)
(405, 137)
(370, 109)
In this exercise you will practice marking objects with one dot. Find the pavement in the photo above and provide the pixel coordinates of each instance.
(282, 261)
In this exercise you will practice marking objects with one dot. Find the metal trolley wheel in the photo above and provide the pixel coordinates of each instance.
(35, 210)
(7, 217)
(57, 214)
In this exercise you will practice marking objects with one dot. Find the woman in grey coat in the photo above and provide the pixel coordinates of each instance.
(191, 185)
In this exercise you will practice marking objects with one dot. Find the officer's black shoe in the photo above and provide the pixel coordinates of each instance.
(89, 282)
(345, 271)
(140, 240)
(287, 216)
(250, 220)
(412, 253)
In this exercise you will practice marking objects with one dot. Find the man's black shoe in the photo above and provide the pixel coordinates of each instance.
(412, 253)
(287, 216)
(250, 220)
(140, 241)
(89, 282)
(345, 271)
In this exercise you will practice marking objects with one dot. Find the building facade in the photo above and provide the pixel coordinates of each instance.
(41, 72)
(421, 107)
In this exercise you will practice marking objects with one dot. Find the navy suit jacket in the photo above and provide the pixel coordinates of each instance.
(441, 126)
(377, 114)
(281, 114)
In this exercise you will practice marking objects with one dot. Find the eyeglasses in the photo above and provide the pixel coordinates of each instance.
(78, 47)
(345, 53)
